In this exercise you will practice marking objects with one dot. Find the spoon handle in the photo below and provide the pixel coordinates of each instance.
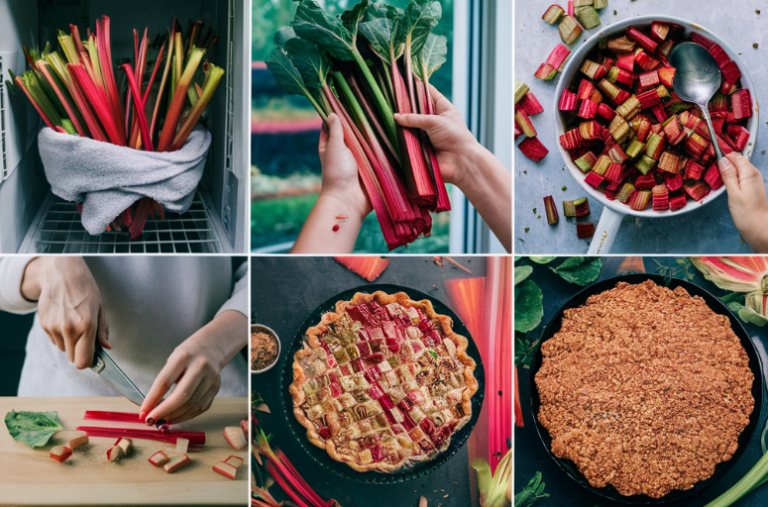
(712, 134)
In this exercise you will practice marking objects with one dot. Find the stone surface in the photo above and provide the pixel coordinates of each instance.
(709, 231)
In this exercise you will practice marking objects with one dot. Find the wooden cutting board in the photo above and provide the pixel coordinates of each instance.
(29, 477)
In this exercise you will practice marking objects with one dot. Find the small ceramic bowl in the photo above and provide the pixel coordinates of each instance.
(255, 328)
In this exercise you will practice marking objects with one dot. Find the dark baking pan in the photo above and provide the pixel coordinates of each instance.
(320, 456)
(717, 306)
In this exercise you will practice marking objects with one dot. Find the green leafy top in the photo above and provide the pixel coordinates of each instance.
(580, 270)
(312, 64)
(529, 307)
(432, 56)
(32, 428)
(286, 75)
(380, 28)
(531, 493)
(337, 36)
(421, 16)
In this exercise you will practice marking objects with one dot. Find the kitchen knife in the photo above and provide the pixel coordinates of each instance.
(114, 376)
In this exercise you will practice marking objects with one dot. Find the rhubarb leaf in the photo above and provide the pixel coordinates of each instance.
(353, 17)
(542, 260)
(379, 28)
(529, 306)
(286, 75)
(32, 428)
(421, 16)
(747, 314)
(580, 270)
(521, 273)
(314, 24)
(312, 64)
(432, 56)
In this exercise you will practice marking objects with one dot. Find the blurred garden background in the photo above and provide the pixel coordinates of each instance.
(285, 168)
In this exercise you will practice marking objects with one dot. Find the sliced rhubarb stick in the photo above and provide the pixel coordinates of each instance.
(593, 179)
(569, 30)
(712, 177)
(677, 202)
(235, 461)
(175, 462)
(643, 40)
(531, 105)
(196, 439)
(225, 469)
(60, 453)
(182, 444)
(553, 14)
(125, 444)
(551, 209)
(97, 415)
(696, 190)
(588, 17)
(115, 452)
(585, 231)
(533, 149)
(159, 458)
(558, 56)
(520, 90)
(545, 72)
(741, 104)
(660, 196)
(235, 437)
(78, 441)
(569, 101)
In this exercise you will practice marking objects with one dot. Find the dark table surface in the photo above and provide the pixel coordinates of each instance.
(285, 290)
(530, 454)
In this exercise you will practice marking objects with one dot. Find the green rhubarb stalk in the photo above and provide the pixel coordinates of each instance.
(213, 75)
(168, 63)
(39, 109)
(68, 46)
(71, 110)
(179, 96)
(110, 85)
(96, 132)
(179, 62)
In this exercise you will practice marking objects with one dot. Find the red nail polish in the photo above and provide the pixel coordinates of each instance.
(142, 415)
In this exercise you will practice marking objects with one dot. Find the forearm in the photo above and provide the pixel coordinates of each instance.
(318, 236)
(488, 186)
(758, 239)
(31, 282)
(226, 335)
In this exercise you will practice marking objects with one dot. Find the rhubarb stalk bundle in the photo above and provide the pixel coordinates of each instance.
(371, 62)
(76, 92)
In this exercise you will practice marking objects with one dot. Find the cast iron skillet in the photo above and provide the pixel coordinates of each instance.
(320, 456)
(716, 305)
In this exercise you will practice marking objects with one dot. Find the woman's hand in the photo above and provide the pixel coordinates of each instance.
(195, 368)
(746, 199)
(68, 304)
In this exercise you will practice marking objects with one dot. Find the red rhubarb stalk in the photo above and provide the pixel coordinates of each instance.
(213, 75)
(163, 81)
(105, 57)
(98, 100)
(196, 439)
(139, 109)
(179, 97)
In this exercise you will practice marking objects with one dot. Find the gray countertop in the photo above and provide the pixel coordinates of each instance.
(709, 231)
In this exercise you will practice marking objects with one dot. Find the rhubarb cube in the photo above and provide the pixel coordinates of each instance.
(159, 458)
(235, 461)
(225, 469)
(78, 441)
(60, 453)
(175, 462)
(235, 437)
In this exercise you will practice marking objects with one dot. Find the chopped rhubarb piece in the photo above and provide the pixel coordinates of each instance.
(645, 182)
(621, 45)
(175, 462)
(577, 208)
(669, 162)
(643, 40)
(235, 437)
(518, 132)
(590, 130)
(586, 162)
(585, 231)
(719, 103)
(602, 165)
(619, 129)
(585, 89)
(588, 17)
(571, 139)
(659, 30)
(674, 181)
(667, 76)
(640, 200)
(558, 56)
(642, 126)
(645, 164)
(626, 61)
(553, 14)
(655, 146)
(693, 171)
(701, 40)
(533, 149)
(724, 145)
(648, 79)
(546, 72)
(593, 70)
(625, 194)
(660, 113)
(551, 209)
(78, 441)
(520, 90)
(225, 469)
(649, 99)
(713, 178)
(635, 148)
(741, 104)
(629, 108)
(593, 179)
(159, 458)
(660, 198)
(182, 445)
(531, 105)
(618, 75)
(235, 461)
(697, 191)
(617, 154)
(721, 57)
(525, 124)
(605, 112)
(665, 48)
(115, 452)
(587, 110)
(677, 202)
(615, 173)
(568, 101)
(60, 453)
(569, 30)
(126, 445)
(600, 4)
(731, 72)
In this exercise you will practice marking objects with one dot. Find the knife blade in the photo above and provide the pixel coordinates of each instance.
(114, 376)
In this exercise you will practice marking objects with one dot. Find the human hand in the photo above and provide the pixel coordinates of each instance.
(454, 144)
(195, 368)
(69, 306)
(747, 200)
(341, 181)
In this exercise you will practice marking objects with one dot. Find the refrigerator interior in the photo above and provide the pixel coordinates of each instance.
(32, 220)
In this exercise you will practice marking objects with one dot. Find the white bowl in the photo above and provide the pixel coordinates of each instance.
(606, 230)
(260, 327)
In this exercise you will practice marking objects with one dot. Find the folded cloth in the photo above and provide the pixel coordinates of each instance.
(107, 179)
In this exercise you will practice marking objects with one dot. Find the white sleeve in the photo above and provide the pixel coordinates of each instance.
(239, 299)
(11, 274)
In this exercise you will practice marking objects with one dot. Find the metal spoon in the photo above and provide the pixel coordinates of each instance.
(697, 79)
